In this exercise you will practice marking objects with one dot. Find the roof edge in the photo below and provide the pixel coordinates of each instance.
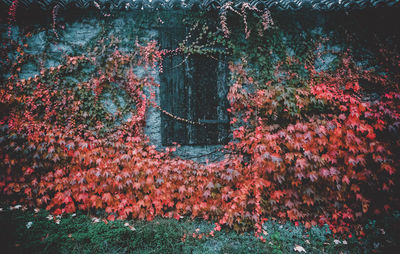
(203, 4)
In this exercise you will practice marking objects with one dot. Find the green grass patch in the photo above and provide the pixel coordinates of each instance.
(39, 232)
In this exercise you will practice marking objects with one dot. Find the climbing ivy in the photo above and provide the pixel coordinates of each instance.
(315, 131)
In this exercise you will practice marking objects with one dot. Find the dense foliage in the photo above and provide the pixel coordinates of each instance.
(311, 145)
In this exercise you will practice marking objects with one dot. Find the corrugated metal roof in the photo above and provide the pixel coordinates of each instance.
(205, 4)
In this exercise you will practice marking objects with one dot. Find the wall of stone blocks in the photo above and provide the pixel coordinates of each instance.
(81, 34)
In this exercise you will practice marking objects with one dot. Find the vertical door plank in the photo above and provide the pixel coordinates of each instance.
(173, 92)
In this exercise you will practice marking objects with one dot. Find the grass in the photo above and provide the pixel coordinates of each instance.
(37, 232)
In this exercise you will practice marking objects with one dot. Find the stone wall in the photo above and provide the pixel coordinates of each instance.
(81, 33)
